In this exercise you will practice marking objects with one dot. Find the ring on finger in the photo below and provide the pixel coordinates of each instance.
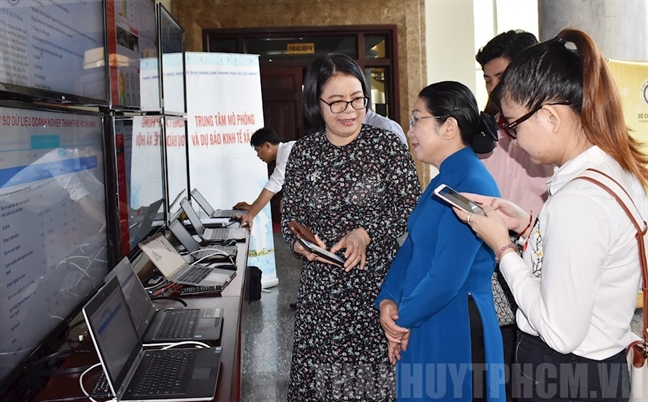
(468, 217)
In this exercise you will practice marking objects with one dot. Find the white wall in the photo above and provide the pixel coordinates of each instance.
(456, 29)
(450, 41)
(618, 27)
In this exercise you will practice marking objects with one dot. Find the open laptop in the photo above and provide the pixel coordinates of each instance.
(135, 374)
(146, 224)
(174, 268)
(211, 212)
(170, 325)
(208, 253)
(160, 215)
(211, 234)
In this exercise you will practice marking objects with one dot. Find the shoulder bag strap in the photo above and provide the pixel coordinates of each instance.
(623, 198)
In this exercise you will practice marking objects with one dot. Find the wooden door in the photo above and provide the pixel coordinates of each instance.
(281, 89)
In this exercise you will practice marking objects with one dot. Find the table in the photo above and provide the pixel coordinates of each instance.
(229, 379)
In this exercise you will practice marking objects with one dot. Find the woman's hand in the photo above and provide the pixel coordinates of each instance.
(299, 249)
(356, 243)
(388, 317)
(514, 217)
(397, 337)
(500, 217)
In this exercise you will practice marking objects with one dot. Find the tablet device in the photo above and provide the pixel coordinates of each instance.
(307, 239)
(453, 198)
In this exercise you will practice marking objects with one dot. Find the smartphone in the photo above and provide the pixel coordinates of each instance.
(307, 239)
(453, 198)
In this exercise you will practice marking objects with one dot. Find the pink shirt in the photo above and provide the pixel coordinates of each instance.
(519, 179)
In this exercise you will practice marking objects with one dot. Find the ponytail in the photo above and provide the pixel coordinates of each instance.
(602, 111)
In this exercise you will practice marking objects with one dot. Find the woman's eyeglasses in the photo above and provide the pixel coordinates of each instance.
(338, 107)
(511, 128)
(413, 119)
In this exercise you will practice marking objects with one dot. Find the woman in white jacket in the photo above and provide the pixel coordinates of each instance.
(576, 282)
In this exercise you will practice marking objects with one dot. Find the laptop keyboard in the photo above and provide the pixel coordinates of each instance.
(227, 213)
(194, 275)
(178, 324)
(216, 233)
(164, 373)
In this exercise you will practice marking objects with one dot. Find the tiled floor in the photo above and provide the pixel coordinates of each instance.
(268, 334)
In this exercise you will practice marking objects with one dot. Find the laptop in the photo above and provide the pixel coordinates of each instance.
(211, 234)
(160, 215)
(208, 253)
(147, 222)
(135, 374)
(170, 325)
(174, 268)
(211, 212)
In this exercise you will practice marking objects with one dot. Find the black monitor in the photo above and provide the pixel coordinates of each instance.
(173, 68)
(138, 155)
(133, 55)
(54, 247)
(53, 51)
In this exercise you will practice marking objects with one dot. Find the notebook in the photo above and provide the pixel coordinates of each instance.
(174, 268)
(160, 215)
(170, 325)
(135, 374)
(211, 234)
(211, 212)
(147, 222)
(208, 253)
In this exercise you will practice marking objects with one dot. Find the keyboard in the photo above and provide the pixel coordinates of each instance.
(194, 275)
(165, 372)
(177, 324)
(216, 233)
(224, 233)
(227, 213)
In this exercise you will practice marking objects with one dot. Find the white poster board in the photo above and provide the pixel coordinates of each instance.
(224, 109)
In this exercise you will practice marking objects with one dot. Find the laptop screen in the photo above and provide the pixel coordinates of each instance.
(147, 222)
(183, 236)
(162, 254)
(113, 334)
(140, 306)
(202, 201)
(192, 216)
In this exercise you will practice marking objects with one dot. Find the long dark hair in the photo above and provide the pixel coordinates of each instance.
(551, 72)
(453, 99)
(317, 75)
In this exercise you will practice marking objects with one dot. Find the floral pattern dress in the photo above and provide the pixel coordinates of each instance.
(340, 351)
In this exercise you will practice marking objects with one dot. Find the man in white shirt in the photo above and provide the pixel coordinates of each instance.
(374, 119)
(268, 148)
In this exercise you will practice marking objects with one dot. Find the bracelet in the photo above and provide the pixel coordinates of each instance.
(501, 251)
(528, 224)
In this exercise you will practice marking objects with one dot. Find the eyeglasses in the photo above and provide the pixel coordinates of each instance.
(413, 119)
(511, 129)
(338, 107)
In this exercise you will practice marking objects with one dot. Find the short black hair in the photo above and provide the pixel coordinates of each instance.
(263, 135)
(318, 74)
(507, 44)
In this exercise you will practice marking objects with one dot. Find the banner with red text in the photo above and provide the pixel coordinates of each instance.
(224, 108)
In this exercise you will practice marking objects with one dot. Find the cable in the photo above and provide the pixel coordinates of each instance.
(215, 252)
(204, 345)
(184, 303)
(162, 290)
(86, 393)
(164, 282)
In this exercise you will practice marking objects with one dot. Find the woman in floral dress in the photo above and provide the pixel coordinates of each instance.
(354, 185)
